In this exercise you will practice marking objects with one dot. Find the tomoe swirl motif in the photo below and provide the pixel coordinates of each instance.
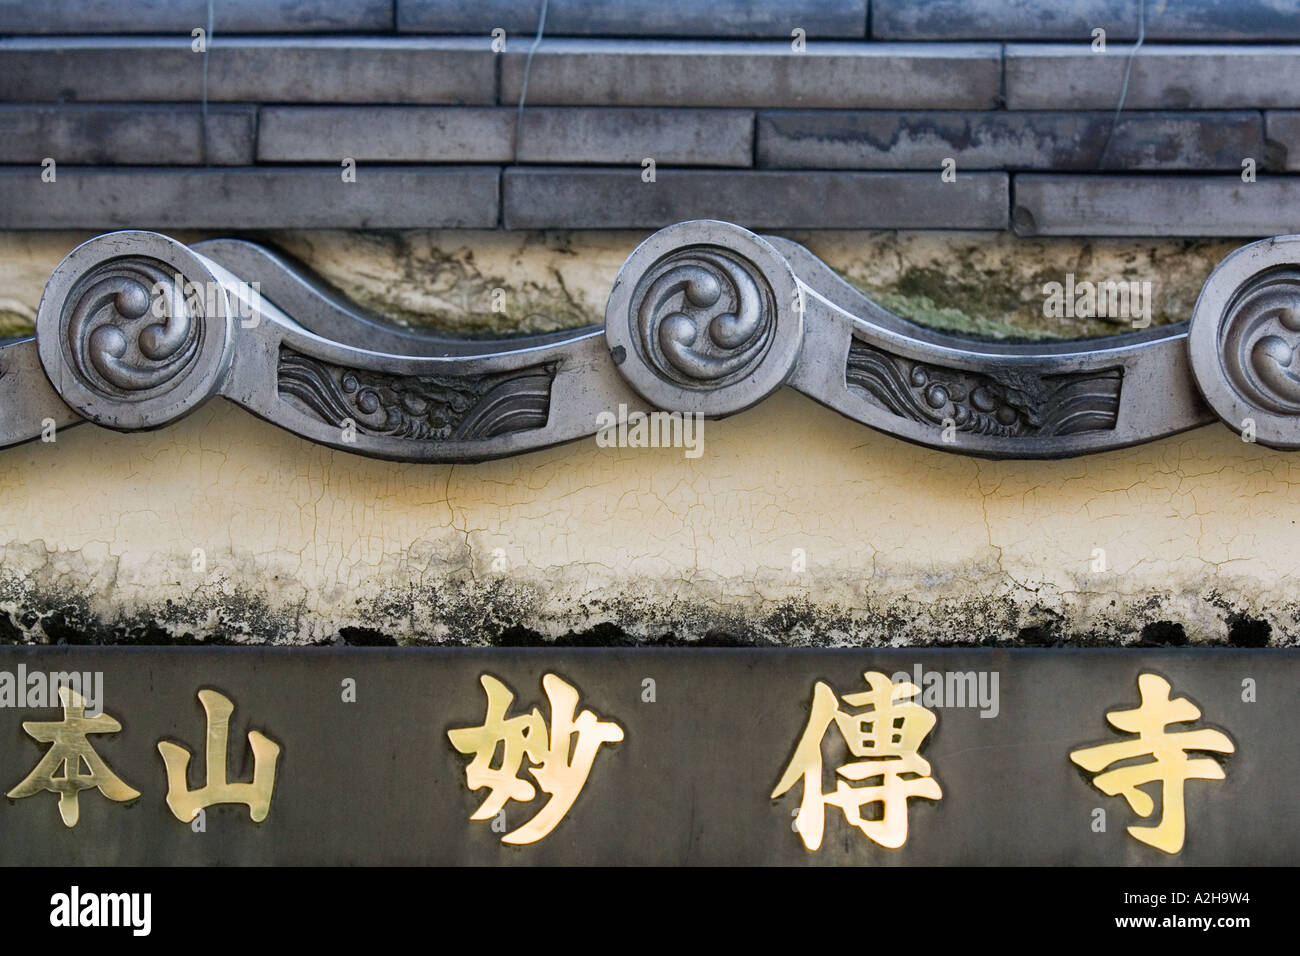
(703, 318)
(1260, 343)
(131, 328)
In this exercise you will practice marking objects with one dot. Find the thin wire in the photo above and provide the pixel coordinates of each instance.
(1128, 70)
(203, 133)
(528, 66)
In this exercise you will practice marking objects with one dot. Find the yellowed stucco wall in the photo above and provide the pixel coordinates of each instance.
(901, 543)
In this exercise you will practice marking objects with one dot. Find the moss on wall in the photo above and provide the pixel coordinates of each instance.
(479, 283)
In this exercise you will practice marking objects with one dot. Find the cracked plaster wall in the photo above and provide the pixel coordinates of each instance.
(307, 544)
(303, 544)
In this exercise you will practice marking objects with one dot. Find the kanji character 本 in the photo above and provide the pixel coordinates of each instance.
(1169, 764)
(887, 737)
(549, 753)
(70, 747)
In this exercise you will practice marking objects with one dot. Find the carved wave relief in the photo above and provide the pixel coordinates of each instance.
(1009, 404)
(418, 407)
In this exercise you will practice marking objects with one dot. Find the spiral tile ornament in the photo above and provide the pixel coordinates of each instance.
(133, 339)
(1245, 341)
(705, 317)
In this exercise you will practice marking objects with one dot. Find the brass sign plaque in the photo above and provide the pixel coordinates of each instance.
(206, 756)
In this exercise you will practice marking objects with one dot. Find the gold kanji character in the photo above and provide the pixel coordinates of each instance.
(70, 747)
(888, 737)
(186, 803)
(1169, 765)
(526, 735)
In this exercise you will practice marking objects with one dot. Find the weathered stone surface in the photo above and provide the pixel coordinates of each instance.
(1206, 20)
(249, 69)
(756, 74)
(160, 69)
(664, 18)
(1282, 127)
(124, 135)
(1001, 19)
(1155, 206)
(833, 139)
(302, 16)
(388, 133)
(484, 135)
(517, 17)
(1223, 21)
(182, 16)
(1210, 20)
(1060, 76)
(102, 16)
(619, 198)
(249, 198)
(450, 70)
(686, 137)
(231, 134)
